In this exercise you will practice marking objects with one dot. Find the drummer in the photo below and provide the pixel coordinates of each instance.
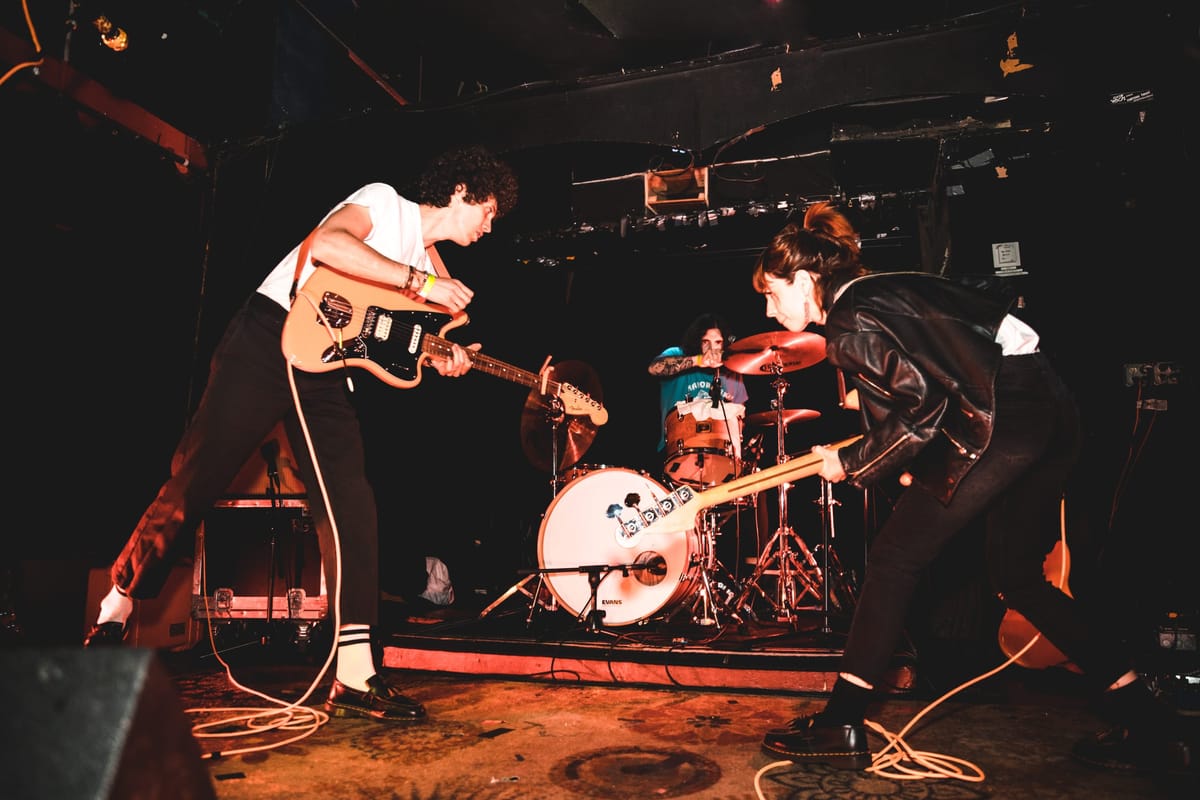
(689, 370)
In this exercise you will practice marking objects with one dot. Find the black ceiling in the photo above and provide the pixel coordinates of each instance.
(219, 69)
(667, 75)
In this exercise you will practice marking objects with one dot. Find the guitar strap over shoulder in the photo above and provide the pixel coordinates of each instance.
(436, 259)
(301, 260)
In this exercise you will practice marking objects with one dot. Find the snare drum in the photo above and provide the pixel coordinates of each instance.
(704, 444)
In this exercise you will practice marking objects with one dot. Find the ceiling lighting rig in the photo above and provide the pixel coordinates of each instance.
(744, 224)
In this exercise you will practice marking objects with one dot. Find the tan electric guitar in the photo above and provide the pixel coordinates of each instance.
(338, 321)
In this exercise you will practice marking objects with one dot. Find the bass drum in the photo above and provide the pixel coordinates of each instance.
(598, 521)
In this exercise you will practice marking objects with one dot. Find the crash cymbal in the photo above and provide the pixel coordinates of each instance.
(769, 418)
(541, 439)
(775, 351)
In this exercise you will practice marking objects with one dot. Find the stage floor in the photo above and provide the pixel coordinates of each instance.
(520, 637)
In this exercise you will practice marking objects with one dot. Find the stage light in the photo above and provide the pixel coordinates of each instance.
(111, 36)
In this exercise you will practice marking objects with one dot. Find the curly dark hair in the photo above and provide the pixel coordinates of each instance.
(474, 166)
(690, 342)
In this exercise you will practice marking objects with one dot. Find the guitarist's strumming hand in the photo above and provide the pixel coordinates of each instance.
(449, 292)
(831, 465)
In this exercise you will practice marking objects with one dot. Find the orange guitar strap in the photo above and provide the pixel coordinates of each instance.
(301, 260)
(436, 259)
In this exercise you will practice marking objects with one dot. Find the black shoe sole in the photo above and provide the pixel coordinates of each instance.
(854, 761)
(362, 713)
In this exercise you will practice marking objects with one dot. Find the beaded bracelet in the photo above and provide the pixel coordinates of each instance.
(415, 276)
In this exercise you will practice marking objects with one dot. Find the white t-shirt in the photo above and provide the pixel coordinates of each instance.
(395, 233)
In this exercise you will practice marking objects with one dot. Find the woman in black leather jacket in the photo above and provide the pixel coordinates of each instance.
(960, 405)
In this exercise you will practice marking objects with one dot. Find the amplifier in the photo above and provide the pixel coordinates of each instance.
(258, 559)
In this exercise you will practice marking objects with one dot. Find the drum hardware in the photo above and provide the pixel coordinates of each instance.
(553, 440)
(555, 414)
(836, 589)
(718, 587)
(542, 421)
(537, 597)
(794, 579)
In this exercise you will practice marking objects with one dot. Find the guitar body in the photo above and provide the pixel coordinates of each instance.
(338, 321)
(1016, 630)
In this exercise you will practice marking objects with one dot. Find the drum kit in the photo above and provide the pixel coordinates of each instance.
(602, 558)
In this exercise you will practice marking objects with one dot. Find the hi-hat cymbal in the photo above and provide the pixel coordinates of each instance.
(775, 351)
(542, 439)
(790, 415)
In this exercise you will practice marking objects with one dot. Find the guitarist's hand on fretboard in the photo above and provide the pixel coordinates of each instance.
(457, 363)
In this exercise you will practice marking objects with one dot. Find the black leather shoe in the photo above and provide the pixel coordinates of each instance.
(105, 634)
(1119, 750)
(808, 740)
(380, 701)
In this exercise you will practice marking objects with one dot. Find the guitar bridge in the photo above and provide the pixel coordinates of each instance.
(336, 309)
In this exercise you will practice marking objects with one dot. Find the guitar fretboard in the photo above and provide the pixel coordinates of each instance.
(437, 346)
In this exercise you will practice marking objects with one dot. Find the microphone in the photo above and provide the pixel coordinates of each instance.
(657, 566)
(716, 387)
(270, 454)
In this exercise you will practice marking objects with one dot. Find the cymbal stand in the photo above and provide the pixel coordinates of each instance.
(793, 581)
(837, 589)
(555, 414)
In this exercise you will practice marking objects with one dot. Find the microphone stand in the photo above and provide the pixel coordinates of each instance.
(592, 614)
(273, 489)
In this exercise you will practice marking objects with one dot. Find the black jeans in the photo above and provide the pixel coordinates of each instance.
(247, 393)
(1017, 485)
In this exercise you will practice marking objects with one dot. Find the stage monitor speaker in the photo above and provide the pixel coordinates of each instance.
(99, 723)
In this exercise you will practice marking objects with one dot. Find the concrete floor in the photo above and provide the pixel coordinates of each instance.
(79, 718)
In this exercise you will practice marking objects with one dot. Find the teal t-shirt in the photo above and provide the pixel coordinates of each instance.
(691, 385)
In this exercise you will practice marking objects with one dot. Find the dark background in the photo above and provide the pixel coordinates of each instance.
(125, 263)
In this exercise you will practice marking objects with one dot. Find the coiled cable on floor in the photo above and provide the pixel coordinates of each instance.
(290, 716)
(890, 762)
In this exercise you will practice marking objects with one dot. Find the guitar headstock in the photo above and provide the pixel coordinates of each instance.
(577, 403)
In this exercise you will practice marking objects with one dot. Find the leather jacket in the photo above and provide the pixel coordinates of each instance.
(921, 350)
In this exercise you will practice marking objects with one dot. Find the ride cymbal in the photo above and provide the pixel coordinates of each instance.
(775, 351)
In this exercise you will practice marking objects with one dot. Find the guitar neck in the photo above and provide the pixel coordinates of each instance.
(441, 348)
(803, 466)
